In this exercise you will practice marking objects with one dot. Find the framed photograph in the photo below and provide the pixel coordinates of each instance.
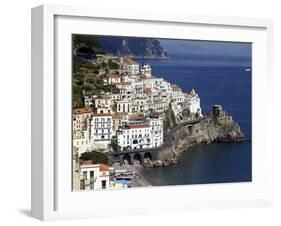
(138, 112)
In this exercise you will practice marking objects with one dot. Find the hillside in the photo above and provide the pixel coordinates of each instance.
(147, 48)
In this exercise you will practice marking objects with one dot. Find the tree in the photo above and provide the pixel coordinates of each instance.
(114, 145)
(97, 157)
(89, 41)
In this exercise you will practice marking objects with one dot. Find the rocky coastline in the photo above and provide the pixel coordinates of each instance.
(217, 127)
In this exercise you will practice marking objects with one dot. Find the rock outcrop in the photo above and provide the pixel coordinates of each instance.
(213, 128)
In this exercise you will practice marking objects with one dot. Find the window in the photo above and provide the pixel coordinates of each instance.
(103, 184)
(85, 175)
(91, 174)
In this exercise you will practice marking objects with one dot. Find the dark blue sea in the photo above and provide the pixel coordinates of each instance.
(219, 79)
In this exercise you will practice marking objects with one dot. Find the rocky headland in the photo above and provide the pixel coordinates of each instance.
(134, 47)
(219, 126)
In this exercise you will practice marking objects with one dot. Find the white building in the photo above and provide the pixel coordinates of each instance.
(134, 137)
(145, 70)
(176, 94)
(192, 103)
(94, 176)
(130, 66)
(101, 131)
(140, 105)
(152, 82)
(124, 105)
(156, 124)
(89, 101)
(81, 128)
(103, 104)
(118, 120)
(138, 86)
(112, 78)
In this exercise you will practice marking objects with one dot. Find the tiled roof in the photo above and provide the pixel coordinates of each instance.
(117, 117)
(135, 117)
(104, 167)
(82, 110)
(138, 126)
(129, 61)
(101, 114)
(115, 76)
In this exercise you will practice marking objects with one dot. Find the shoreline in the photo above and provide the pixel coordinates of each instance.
(139, 179)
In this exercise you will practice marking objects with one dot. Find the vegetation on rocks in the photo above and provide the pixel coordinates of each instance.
(170, 120)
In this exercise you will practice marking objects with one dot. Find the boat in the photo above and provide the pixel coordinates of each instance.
(248, 69)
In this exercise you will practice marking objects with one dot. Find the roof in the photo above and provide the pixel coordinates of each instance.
(117, 117)
(135, 117)
(121, 83)
(101, 114)
(138, 126)
(115, 76)
(147, 90)
(104, 167)
(103, 97)
(87, 162)
(129, 61)
(82, 111)
(175, 87)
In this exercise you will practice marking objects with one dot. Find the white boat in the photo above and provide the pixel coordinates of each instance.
(248, 69)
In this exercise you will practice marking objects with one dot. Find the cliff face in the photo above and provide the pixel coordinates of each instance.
(147, 48)
(208, 130)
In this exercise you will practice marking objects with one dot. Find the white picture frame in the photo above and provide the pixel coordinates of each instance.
(52, 197)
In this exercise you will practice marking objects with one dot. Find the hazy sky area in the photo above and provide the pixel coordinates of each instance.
(209, 53)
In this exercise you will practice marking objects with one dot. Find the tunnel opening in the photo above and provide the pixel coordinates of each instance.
(127, 159)
(147, 158)
(137, 159)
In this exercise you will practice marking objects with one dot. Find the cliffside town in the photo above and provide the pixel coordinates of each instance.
(136, 118)
(132, 115)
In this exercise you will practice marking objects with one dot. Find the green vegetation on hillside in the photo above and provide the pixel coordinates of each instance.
(86, 43)
(88, 72)
(170, 120)
(97, 157)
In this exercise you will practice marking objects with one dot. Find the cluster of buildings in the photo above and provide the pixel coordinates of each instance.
(130, 116)
(88, 175)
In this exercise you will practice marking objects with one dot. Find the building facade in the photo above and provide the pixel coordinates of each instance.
(134, 137)
(94, 176)
(101, 131)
